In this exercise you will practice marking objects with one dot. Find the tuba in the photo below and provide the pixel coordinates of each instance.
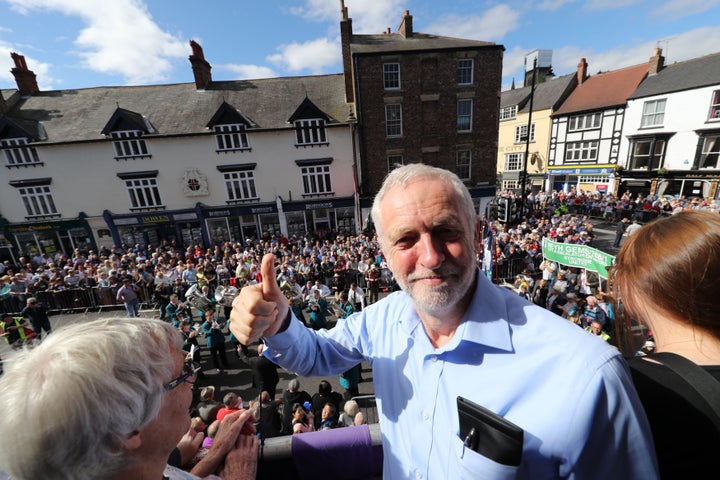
(197, 299)
(225, 295)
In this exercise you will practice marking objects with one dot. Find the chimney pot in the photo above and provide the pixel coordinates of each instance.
(406, 25)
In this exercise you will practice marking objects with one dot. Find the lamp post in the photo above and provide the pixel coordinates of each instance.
(523, 177)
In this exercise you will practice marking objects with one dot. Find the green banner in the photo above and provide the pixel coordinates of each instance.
(580, 256)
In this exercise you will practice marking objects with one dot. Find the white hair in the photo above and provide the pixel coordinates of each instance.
(406, 175)
(71, 401)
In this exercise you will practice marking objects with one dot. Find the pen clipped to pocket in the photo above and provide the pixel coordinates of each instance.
(489, 434)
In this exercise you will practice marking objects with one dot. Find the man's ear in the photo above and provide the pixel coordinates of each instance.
(478, 234)
(133, 441)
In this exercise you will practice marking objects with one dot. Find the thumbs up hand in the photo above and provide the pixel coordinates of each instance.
(259, 310)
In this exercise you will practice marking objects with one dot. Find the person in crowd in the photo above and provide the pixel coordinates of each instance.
(265, 410)
(620, 229)
(351, 415)
(324, 395)
(264, 372)
(596, 328)
(593, 312)
(318, 310)
(327, 417)
(666, 277)
(449, 324)
(129, 295)
(302, 420)
(232, 402)
(208, 407)
(15, 330)
(345, 307)
(372, 280)
(215, 340)
(350, 381)
(356, 297)
(131, 382)
(290, 397)
(37, 313)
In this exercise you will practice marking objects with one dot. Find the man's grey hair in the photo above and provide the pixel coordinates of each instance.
(72, 401)
(406, 175)
(293, 385)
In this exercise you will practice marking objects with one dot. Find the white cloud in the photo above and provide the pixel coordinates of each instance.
(119, 37)
(313, 56)
(244, 72)
(682, 8)
(491, 26)
(369, 17)
(609, 5)
(552, 5)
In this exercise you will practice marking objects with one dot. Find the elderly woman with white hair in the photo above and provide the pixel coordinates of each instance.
(109, 399)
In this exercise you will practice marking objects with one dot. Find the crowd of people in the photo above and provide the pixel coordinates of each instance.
(441, 321)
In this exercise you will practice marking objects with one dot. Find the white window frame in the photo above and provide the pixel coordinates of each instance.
(583, 151)
(521, 131)
(463, 163)
(310, 132)
(391, 76)
(706, 150)
(240, 185)
(508, 113)
(510, 184)
(465, 69)
(143, 193)
(316, 179)
(714, 115)
(464, 115)
(18, 152)
(395, 161)
(231, 137)
(38, 201)
(513, 162)
(593, 179)
(589, 121)
(129, 144)
(393, 120)
(653, 113)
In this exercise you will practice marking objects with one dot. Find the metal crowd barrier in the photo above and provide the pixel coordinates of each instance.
(78, 300)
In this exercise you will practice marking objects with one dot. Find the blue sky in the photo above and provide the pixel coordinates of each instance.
(73, 44)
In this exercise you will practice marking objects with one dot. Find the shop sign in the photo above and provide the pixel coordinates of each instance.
(151, 219)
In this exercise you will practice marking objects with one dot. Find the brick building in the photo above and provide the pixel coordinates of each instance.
(422, 98)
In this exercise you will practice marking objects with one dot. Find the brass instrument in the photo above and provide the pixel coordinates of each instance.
(225, 295)
(197, 299)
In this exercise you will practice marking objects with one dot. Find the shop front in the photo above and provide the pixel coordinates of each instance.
(49, 237)
(318, 217)
(595, 179)
(183, 227)
(238, 223)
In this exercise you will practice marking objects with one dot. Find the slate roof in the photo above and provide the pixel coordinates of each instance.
(548, 95)
(695, 73)
(604, 90)
(395, 42)
(179, 109)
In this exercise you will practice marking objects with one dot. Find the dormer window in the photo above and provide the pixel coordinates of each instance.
(229, 138)
(18, 152)
(126, 129)
(128, 144)
(310, 132)
(309, 122)
(715, 106)
(230, 127)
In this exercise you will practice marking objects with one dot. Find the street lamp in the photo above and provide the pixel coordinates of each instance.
(523, 177)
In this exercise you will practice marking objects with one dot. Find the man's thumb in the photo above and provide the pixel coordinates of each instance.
(270, 288)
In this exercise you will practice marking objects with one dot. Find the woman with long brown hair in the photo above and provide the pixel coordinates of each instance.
(667, 277)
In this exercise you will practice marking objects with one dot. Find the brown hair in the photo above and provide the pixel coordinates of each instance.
(673, 262)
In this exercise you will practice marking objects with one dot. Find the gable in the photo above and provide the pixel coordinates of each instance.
(308, 110)
(229, 115)
(29, 129)
(126, 120)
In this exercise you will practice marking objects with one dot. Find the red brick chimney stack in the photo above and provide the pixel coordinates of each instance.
(582, 71)
(346, 32)
(406, 26)
(25, 79)
(657, 62)
(201, 68)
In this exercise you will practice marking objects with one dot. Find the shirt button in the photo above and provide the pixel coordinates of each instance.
(418, 474)
(433, 358)
(425, 415)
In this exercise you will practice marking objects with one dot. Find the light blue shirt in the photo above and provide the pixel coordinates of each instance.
(568, 390)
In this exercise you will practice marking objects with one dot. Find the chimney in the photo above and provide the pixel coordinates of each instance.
(406, 29)
(201, 68)
(346, 32)
(582, 71)
(25, 79)
(657, 62)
